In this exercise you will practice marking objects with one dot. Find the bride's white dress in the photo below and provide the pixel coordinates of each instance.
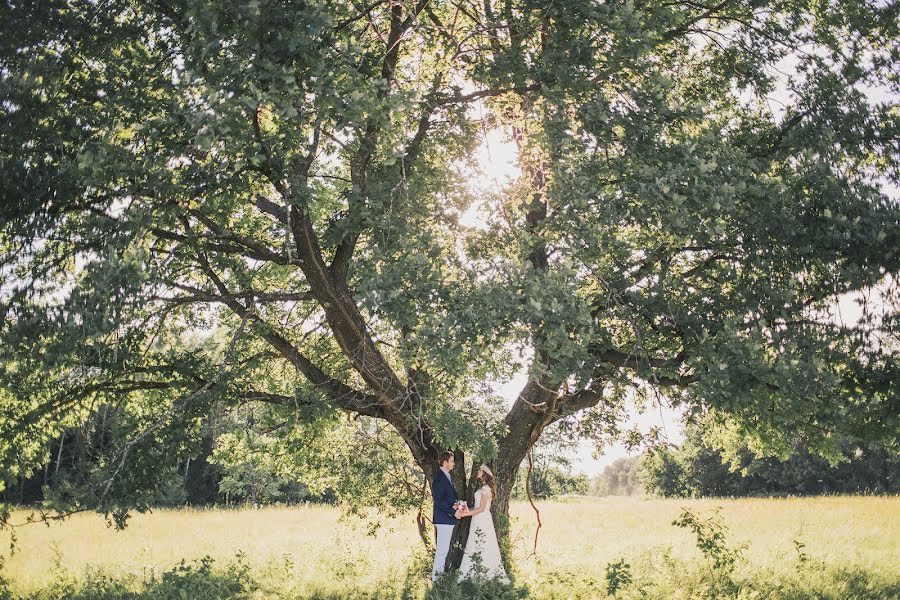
(482, 554)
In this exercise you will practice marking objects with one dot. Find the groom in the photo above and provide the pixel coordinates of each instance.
(445, 500)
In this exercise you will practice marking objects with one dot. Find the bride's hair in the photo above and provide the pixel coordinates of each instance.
(488, 480)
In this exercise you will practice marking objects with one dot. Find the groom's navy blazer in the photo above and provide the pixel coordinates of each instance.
(444, 495)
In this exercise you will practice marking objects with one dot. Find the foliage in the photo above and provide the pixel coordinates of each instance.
(550, 482)
(5, 594)
(618, 574)
(359, 463)
(700, 467)
(447, 588)
(663, 475)
(261, 202)
(711, 533)
(550, 466)
(200, 580)
(251, 467)
(256, 458)
(619, 478)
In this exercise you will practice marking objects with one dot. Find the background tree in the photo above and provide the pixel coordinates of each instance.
(294, 172)
(702, 467)
(551, 482)
(547, 470)
(619, 478)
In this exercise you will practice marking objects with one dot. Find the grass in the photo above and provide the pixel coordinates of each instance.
(825, 547)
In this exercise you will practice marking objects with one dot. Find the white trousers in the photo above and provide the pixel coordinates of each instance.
(442, 547)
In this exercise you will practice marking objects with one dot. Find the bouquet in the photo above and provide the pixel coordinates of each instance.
(461, 508)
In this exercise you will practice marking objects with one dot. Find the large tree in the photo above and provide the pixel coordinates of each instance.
(700, 180)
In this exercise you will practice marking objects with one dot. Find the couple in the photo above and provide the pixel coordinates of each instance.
(481, 548)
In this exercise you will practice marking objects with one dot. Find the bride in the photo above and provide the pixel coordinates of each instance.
(481, 557)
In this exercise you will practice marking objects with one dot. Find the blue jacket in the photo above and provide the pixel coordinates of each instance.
(444, 495)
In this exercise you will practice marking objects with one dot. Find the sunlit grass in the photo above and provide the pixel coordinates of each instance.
(846, 530)
(311, 548)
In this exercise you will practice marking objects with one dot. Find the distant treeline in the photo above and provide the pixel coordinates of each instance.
(697, 468)
(237, 462)
(231, 463)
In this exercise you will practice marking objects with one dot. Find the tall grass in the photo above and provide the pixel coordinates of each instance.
(827, 547)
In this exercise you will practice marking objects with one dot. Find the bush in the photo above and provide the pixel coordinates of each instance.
(195, 580)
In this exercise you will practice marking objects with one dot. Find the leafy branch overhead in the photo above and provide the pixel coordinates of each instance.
(699, 182)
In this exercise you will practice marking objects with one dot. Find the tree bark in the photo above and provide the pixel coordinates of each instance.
(461, 533)
(500, 514)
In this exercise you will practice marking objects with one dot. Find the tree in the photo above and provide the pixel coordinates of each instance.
(662, 474)
(619, 478)
(700, 467)
(293, 173)
(251, 467)
(550, 482)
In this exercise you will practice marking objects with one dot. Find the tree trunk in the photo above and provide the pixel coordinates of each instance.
(62, 439)
(524, 428)
(499, 512)
(201, 478)
(466, 485)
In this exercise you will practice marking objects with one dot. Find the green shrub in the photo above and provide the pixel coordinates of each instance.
(195, 580)
(711, 533)
(618, 574)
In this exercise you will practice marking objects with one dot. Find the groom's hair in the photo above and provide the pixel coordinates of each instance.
(444, 456)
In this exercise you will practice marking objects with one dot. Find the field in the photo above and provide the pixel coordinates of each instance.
(827, 547)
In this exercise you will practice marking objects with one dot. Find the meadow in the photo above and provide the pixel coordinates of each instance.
(826, 547)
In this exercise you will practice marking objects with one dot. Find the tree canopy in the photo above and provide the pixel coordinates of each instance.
(699, 182)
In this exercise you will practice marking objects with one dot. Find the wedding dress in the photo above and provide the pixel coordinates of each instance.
(481, 557)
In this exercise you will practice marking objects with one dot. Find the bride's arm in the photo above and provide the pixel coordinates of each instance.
(483, 505)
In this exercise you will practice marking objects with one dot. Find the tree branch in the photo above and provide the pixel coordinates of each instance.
(341, 394)
(684, 27)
